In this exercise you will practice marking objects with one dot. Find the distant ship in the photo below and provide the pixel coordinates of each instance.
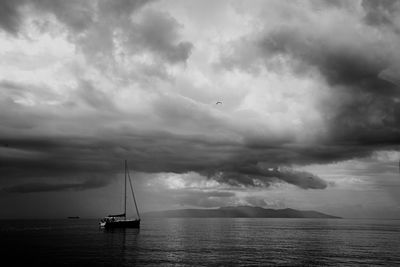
(120, 220)
(73, 217)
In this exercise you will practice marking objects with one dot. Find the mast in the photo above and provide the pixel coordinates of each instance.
(133, 195)
(125, 191)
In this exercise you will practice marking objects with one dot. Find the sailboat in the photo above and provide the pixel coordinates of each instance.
(120, 220)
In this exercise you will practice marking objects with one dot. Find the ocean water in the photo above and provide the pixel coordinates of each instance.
(203, 242)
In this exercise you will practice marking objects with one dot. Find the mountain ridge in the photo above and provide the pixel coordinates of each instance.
(240, 212)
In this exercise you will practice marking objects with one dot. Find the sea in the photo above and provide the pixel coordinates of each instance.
(202, 242)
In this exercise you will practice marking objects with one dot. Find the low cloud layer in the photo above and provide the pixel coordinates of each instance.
(45, 187)
(262, 176)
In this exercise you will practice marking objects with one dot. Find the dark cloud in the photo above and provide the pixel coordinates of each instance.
(106, 31)
(120, 8)
(48, 156)
(359, 69)
(33, 153)
(391, 74)
(98, 42)
(345, 64)
(10, 17)
(68, 158)
(381, 13)
(56, 187)
(77, 15)
(155, 31)
(158, 32)
(261, 175)
(94, 97)
(321, 4)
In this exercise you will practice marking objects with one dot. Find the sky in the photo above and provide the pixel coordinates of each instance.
(309, 115)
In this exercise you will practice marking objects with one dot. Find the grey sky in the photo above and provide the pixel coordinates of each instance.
(309, 90)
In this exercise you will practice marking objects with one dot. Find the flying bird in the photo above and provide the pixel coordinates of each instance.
(219, 102)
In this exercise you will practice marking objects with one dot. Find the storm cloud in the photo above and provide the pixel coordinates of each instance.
(45, 187)
(357, 66)
(75, 14)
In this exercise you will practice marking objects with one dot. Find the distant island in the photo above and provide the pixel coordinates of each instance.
(240, 212)
(73, 217)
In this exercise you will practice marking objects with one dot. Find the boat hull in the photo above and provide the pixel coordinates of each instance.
(121, 224)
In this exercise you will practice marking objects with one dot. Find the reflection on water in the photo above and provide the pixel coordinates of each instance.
(119, 242)
(205, 242)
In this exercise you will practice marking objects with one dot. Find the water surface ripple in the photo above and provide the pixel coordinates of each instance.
(204, 242)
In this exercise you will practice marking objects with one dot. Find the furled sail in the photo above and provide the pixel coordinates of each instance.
(118, 215)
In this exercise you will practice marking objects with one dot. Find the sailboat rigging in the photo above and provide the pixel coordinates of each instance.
(120, 220)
